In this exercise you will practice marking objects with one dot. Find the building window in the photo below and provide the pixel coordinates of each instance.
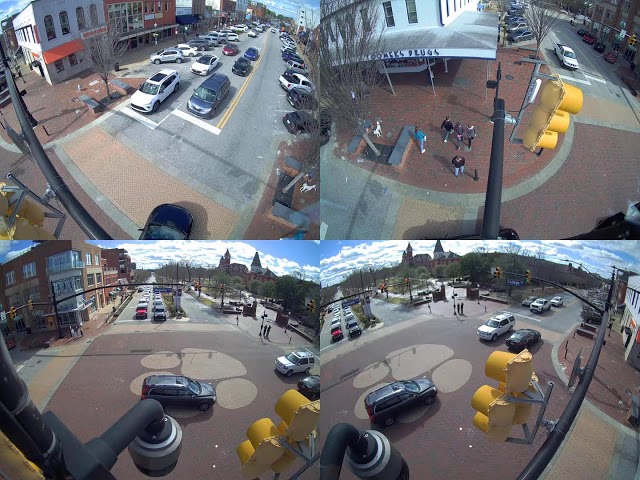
(29, 270)
(59, 65)
(412, 14)
(88, 259)
(73, 60)
(388, 14)
(166, 6)
(93, 14)
(96, 259)
(10, 277)
(49, 27)
(64, 22)
(80, 18)
(98, 278)
(146, 8)
(90, 280)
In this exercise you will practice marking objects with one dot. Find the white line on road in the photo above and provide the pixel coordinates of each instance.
(528, 318)
(20, 367)
(139, 117)
(596, 79)
(197, 121)
(571, 79)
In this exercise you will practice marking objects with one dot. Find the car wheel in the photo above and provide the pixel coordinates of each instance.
(178, 60)
(289, 373)
(493, 338)
(307, 370)
(156, 106)
(389, 421)
(177, 87)
(429, 400)
(156, 61)
(204, 407)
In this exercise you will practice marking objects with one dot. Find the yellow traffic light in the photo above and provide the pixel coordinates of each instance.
(551, 116)
(300, 416)
(498, 272)
(30, 304)
(13, 312)
(494, 415)
(528, 276)
(28, 223)
(633, 40)
(513, 369)
(261, 449)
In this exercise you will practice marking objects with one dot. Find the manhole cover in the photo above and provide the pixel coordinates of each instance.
(509, 77)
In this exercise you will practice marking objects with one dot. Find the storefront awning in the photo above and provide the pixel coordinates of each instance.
(186, 19)
(59, 52)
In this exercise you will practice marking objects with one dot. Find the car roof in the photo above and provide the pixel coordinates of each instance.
(311, 381)
(502, 316)
(214, 80)
(165, 380)
(384, 392)
(524, 331)
(158, 77)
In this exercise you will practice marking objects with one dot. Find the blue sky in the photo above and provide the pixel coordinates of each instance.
(338, 258)
(281, 257)
(288, 8)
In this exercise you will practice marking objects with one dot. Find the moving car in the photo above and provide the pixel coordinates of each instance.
(599, 47)
(300, 361)
(354, 329)
(168, 222)
(300, 122)
(230, 49)
(496, 326)
(187, 50)
(155, 90)
(241, 67)
(251, 53)
(522, 339)
(528, 301)
(204, 65)
(611, 57)
(310, 387)
(160, 314)
(252, 34)
(301, 99)
(567, 56)
(175, 390)
(273, 30)
(336, 333)
(556, 301)
(540, 305)
(167, 55)
(291, 80)
(385, 403)
(209, 95)
(141, 311)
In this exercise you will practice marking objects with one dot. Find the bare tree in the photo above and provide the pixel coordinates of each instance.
(102, 49)
(351, 37)
(540, 20)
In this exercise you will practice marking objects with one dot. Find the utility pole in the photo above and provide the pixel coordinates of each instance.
(55, 309)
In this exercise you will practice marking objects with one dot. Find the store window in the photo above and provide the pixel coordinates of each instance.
(59, 64)
(64, 23)
(73, 60)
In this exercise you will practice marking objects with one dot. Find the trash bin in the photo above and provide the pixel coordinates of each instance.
(117, 66)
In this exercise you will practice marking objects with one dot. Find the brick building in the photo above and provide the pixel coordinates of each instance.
(440, 257)
(119, 259)
(256, 272)
(608, 18)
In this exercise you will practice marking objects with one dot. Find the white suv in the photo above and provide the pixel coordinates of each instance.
(295, 362)
(540, 305)
(155, 90)
(496, 326)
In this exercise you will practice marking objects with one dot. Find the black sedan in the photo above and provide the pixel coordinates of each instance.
(522, 339)
(301, 99)
(300, 122)
(599, 47)
(241, 67)
(168, 222)
(310, 387)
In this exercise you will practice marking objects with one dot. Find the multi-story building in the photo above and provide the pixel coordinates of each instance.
(440, 257)
(631, 322)
(257, 272)
(611, 19)
(142, 22)
(118, 258)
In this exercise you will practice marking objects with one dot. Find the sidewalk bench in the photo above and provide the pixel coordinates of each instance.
(93, 105)
(420, 302)
(585, 333)
(634, 416)
(122, 87)
(297, 218)
(401, 145)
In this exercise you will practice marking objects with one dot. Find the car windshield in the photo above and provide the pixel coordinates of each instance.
(205, 94)
(492, 323)
(412, 386)
(163, 232)
(194, 386)
(292, 357)
(150, 88)
(569, 54)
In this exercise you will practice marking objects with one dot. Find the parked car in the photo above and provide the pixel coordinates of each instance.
(325, 126)
(301, 99)
(167, 55)
(232, 37)
(199, 44)
(296, 66)
(230, 49)
(300, 122)
(251, 53)
(517, 37)
(540, 305)
(582, 32)
(241, 67)
(299, 361)
(168, 222)
(187, 50)
(286, 56)
(556, 301)
(522, 339)
(155, 90)
(176, 390)
(252, 34)
(209, 95)
(213, 40)
(496, 326)
(336, 333)
(590, 38)
(205, 64)
(611, 57)
(518, 27)
(599, 47)
(310, 387)
(385, 403)
(291, 80)
(528, 301)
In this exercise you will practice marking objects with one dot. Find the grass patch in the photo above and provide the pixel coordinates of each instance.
(396, 300)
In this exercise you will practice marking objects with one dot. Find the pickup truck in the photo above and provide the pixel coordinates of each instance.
(540, 305)
(567, 56)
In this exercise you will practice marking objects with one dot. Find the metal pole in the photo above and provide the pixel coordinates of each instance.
(431, 77)
(361, 283)
(547, 396)
(534, 74)
(55, 309)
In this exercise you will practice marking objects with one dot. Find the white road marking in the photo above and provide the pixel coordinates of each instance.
(596, 79)
(197, 121)
(571, 79)
(528, 318)
(20, 367)
(139, 117)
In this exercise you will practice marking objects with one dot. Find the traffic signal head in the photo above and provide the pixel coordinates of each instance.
(406, 282)
(633, 40)
(498, 272)
(30, 304)
(551, 116)
(528, 276)
(28, 223)
(13, 312)
(261, 449)
(300, 416)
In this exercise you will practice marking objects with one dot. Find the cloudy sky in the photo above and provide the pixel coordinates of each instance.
(338, 258)
(281, 257)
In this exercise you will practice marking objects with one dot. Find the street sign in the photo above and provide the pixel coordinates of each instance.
(517, 283)
(164, 290)
(3, 316)
(355, 301)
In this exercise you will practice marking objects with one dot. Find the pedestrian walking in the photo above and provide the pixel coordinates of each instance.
(447, 125)
(420, 136)
(458, 163)
(454, 310)
(81, 332)
(471, 133)
(459, 129)
(461, 308)
(429, 305)
(268, 331)
(260, 334)
(237, 321)
(71, 331)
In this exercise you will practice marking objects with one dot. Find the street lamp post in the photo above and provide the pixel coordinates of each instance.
(155, 34)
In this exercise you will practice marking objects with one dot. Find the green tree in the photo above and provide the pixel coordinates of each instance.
(237, 283)
(254, 286)
(453, 270)
(288, 289)
(476, 266)
(439, 271)
(268, 289)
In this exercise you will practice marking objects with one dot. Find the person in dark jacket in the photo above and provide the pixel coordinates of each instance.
(459, 129)
(471, 133)
(447, 125)
(458, 163)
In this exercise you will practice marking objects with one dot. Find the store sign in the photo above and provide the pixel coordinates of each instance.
(421, 52)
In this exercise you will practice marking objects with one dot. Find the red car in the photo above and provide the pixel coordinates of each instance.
(336, 334)
(230, 49)
(10, 342)
(590, 38)
(611, 57)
